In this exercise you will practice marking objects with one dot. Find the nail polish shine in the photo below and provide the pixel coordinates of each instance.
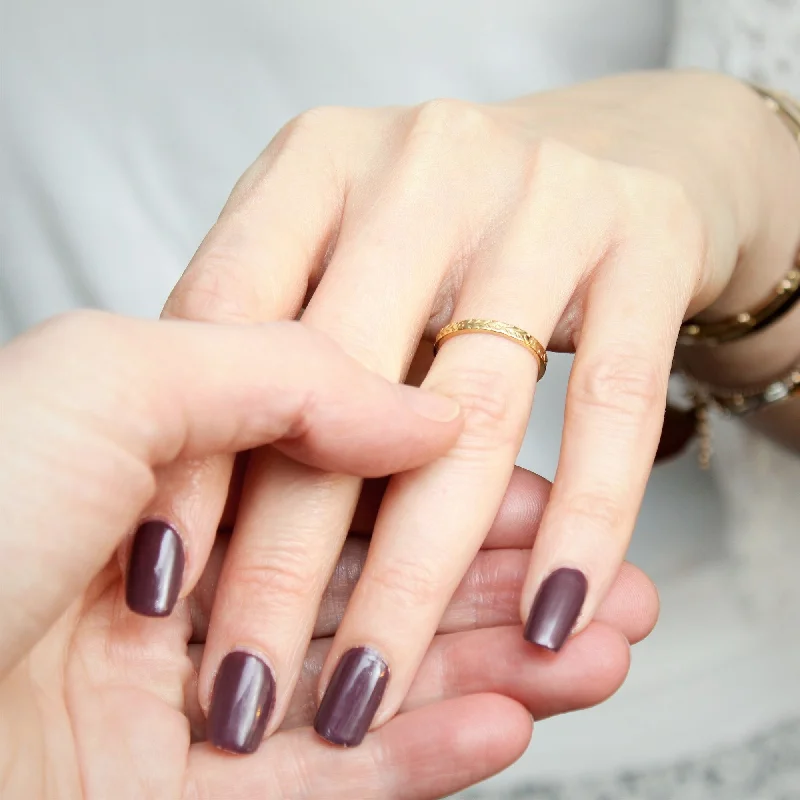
(242, 702)
(556, 608)
(155, 570)
(352, 698)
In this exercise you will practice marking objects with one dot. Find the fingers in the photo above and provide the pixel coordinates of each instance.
(515, 523)
(92, 402)
(591, 667)
(514, 526)
(433, 520)
(430, 527)
(488, 596)
(292, 521)
(253, 266)
(613, 418)
(475, 737)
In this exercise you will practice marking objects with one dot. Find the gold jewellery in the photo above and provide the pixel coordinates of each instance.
(783, 298)
(497, 329)
(736, 403)
(786, 295)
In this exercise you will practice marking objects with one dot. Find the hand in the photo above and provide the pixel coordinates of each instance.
(596, 218)
(477, 650)
(96, 702)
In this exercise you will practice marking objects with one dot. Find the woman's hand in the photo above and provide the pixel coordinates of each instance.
(97, 702)
(596, 218)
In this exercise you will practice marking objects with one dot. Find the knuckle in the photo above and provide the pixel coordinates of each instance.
(596, 512)
(406, 583)
(215, 289)
(621, 383)
(287, 575)
(439, 123)
(561, 168)
(485, 396)
(315, 121)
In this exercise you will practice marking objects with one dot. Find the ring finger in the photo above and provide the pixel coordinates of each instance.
(433, 519)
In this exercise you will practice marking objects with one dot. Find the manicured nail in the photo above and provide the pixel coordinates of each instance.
(155, 570)
(241, 703)
(352, 697)
(556, 608)
(429, 404)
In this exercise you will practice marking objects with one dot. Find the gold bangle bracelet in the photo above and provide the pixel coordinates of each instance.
(786, 294)
(783, 298)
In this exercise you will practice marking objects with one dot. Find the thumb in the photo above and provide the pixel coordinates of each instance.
(90, 403)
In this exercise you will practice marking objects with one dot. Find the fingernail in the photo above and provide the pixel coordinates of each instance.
(556, 608)
(155, 570)
(352, 697)
(429, 404)
(241, 703)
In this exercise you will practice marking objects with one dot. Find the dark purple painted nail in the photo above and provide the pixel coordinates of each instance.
(241, 703)
(352, 697)
(155, 570)
(556, 608)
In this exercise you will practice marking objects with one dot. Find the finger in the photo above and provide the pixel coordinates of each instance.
(253, 266)
(591, 667)
(488, 596)
(613, 418)
(589, 671)
(433, 520)
(198, 390)
(514, 525)
(186, 500)
(160, 535)
(475, 737)
(276, 571)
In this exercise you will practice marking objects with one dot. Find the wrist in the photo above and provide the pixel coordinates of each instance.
(767, 206)
(767, 252)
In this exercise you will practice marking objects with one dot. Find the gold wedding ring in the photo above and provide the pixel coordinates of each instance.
(497, 329)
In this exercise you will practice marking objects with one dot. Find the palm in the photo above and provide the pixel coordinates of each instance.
(105, 690)
(105, 705)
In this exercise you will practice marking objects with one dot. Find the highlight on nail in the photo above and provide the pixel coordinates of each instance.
(242, 702)
(352, 697)
(155, 569)
(556, 608)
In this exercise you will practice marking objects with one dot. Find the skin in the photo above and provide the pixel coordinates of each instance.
(97, 702)
(596, 217)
